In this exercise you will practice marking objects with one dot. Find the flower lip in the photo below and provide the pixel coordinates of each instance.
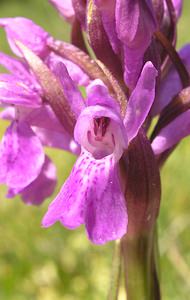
(100, 127)
(101, 132)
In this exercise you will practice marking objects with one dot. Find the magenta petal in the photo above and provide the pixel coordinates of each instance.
(106, 214)
(172, 133)
(98, 94)
(107, 9)
(171, 83)
(16, 67)
(21, 156)
(65, 8)
(71, 92)
(91, 194)
(27, 32)
(68, 206)
(43, 186)
(75, 72)
(140, 100)
(15, 91)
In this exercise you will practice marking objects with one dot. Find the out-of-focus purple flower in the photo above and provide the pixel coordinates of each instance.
(33, 125)
(170, 84)
(41, 188)
(92, 194)
(172, 134)
(65, 7)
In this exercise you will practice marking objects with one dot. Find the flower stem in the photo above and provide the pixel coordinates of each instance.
(113, 292)
(140, 266)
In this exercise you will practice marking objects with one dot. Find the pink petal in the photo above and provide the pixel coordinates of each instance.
(41, 188)
(140, 100)
(65, 8)
(172, 133)
(91, 194)
(171, 83)
(27, 32)
(21, 156)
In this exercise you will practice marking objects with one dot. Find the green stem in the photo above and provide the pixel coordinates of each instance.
(140, 266)
(115, 273)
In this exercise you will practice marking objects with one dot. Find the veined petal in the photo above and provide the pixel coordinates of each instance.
(17, 68)
(91, 194)
(71, 92)
(75, 72)
(140, 100)
(21, 156)
(172, 134)
(68, 206)
(27, 32)
(41, 188)
(15, 91)
(106, 214)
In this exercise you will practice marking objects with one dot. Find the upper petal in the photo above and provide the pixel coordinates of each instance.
(71, 92)
(140, 100)
(98, 94)
(75, 72)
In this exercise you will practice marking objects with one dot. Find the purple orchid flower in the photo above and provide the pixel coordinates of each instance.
(23, 164)
(92, 194)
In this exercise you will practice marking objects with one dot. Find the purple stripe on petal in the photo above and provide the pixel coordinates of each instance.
(172, 133)
(21, 156)
(106, 214)
(91, 194)
(140, 100)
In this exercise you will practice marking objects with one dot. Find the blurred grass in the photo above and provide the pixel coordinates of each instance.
(56, 264)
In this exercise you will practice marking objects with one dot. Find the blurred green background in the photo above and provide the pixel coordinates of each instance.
(55, 263)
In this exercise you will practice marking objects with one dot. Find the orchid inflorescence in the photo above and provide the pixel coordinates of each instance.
(131, 74)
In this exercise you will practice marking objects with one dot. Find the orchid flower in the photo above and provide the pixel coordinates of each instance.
(92, 194)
